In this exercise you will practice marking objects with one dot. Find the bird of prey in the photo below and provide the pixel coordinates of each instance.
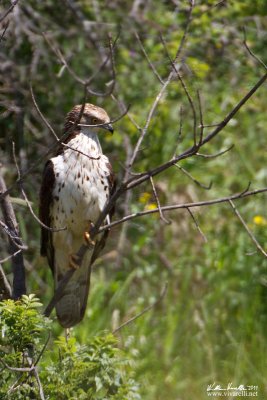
(76, 185)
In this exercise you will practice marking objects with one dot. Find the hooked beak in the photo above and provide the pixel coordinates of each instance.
(109, 128)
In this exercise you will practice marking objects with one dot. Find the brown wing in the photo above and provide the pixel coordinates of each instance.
(46, 199)
(101, 243)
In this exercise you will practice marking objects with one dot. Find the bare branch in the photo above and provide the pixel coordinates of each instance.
(189, 98)
(41, 114)
(186, 30)
(200, 118)
(133, 182)
(13, 237)
(19, 287)
(162, 90)
(251, 235)
(41, 391)
(11, 255)
(193, 179)
(16, 369)
(86, 82)
(259, 61)
(235, 109)
(4, 32)
(220, 153)
(9, 10)
(161, 296)
(148, 59)
(158, 202)
(180, 130)
(183, 206)
(197, 225)
(148, 120)
(5, 288)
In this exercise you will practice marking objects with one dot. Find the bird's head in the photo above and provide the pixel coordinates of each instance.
(94, 118)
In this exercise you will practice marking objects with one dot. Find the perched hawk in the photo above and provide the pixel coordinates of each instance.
(76, 185)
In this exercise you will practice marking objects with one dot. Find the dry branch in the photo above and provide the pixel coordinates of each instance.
(236, 196)
(148, 308)
(251, 235)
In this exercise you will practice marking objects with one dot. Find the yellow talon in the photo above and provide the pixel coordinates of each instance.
(89, 242)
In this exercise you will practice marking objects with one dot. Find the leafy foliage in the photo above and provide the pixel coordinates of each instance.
(96, 370)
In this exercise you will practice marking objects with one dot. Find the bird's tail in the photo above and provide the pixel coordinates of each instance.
(71, 307)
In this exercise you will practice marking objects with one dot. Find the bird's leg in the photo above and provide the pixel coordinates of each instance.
(108, 219)
(74, 261)
(67, 334)
(87, 238)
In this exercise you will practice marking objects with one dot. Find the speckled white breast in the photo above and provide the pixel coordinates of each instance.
(81, 189)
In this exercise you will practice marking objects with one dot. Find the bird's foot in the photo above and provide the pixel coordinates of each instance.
(74, 261)
(88, 241)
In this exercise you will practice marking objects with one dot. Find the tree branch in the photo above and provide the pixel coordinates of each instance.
(19, 287)
(184, 206)
(252, 237)
(145, 310)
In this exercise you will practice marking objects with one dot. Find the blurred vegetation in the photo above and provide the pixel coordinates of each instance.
(211, 325)
(96, 370)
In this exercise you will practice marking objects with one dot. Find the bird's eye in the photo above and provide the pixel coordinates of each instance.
(94, 120)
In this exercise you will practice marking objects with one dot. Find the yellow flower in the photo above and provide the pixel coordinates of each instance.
(144, 197)
(259, 220)
(151, 206)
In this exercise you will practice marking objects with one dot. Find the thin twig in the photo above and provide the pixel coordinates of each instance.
(194, 179)
(5, 288)
(25, 369)
(180, 130)
(251, 235)
(19, 286)
(133, 182)
(4, 32)
(189, 97)
(145, 310)
(13, 236)
(197, 225)
(148, 120)
(41, 114)
(200, 118)
(41, 391)
(148, 59)
(186, 30)
(158, 202)
(86, 82)
(8, 11)
(162, 90)
(9, 257)
(251, 52)
(183, 206)
(220, 153)
(235, 109)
